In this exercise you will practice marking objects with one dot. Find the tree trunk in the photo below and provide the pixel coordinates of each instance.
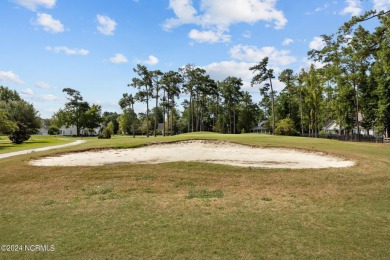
(216, 114)
(201, 114)
(189, 112)
(357, 111)
(168, 104)
(197, 112)
(192, 112)
(78, 123)
(273, 107)
(301, 109)
(132, 111)
(234, 120)
(164, 113)
(147, 112)
(173, 102)
(155, 113)
(230, 121)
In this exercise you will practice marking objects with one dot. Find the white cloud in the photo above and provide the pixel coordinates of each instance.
(208, 36)
(254, 54)
(9, 76)
(221, 70)
(353, 8)
(42, 84)
(118, 58)
(28, 92)
(317, 43)
(47, 97)
(381, 5)
(218, 15)
(34, 4)
(287, 41)
(319, 9)
(67, 51)
(106, 25)
(152, 60)
(48, 23)
(227, 12)
(184, 11)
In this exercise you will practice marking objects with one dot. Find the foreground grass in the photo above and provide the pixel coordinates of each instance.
(197, 210)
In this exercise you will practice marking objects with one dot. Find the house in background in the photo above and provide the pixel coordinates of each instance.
(261, 128)
(332, 127)
(72, 130)
(43, 131)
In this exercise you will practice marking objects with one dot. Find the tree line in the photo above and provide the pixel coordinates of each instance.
(351, 88)
(208, 106)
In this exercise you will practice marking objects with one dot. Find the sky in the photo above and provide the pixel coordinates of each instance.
(93, 45)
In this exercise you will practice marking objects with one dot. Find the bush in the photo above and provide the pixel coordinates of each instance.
(285, 127)
(106, 133)
(53, 130)
(20, 135)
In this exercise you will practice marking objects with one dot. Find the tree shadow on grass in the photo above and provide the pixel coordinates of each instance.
(25, 144)
(37, 142)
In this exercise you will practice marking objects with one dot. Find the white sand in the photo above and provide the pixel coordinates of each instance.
(199, 151)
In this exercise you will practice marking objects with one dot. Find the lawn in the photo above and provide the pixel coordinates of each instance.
(199, 210)
(36, 141)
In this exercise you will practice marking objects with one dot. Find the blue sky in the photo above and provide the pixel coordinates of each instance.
(93, 45)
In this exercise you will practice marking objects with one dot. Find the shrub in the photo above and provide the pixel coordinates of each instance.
(20, 135)
(107, 131)
(53, 130)
(106, 134)
(285, 127)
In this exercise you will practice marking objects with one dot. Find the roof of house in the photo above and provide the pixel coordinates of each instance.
(260, 126)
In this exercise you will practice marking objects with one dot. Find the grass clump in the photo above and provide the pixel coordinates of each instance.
(49, 202)
(96, 190)
(110, 196)
(204, 194)
(185, 184)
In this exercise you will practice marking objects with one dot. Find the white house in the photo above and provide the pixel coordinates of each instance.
(332, 127)
(261, 128)
(72, 130)
(43, 131)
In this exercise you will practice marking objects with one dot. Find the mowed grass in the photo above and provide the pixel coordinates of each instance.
(36, 141)
(198, 210)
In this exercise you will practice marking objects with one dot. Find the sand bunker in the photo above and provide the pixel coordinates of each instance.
(199, 151)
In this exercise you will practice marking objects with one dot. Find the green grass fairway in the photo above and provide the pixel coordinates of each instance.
(36, 141)
(199, 210)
